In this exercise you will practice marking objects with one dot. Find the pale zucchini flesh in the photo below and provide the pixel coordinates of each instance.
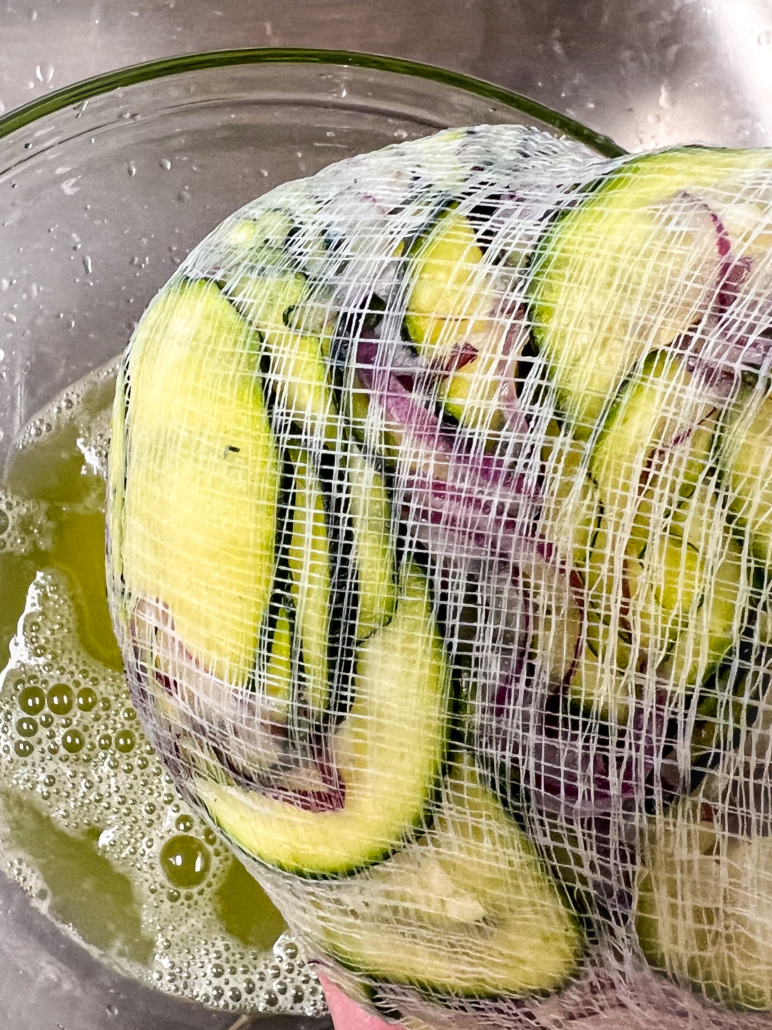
(442, 916)
(704, 907)
(197, 518)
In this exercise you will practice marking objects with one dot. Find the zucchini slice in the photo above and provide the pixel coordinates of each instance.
(469, 909)
(298, 376)
(450, 294)
(704, 907)
(745, 453)
(197, 520)
(388, 753)
(649, 432)
(370, 510)
(631, 268)
(281, 661)
(298, 372)
(471, 393)
(310, 558)
(570, 509)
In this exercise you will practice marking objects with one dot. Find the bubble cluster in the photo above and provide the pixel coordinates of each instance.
(82, 790)
(24, 526)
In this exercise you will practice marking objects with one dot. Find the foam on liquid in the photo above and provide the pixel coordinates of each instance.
(90, 823)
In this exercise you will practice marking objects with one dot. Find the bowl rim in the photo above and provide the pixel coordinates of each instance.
(85, 89)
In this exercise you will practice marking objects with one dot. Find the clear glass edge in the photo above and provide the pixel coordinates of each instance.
(138, 73)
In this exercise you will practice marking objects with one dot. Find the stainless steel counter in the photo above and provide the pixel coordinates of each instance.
(645, 72)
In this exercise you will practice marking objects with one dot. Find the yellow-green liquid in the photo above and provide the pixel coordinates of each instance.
(90, 824)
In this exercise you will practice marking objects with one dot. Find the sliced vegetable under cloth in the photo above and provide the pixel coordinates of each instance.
(746, 455)
(632, 267)
(198, 474)
(704, 906)
(469, 909)
(450, 296)
(666, 581)
(386, 757)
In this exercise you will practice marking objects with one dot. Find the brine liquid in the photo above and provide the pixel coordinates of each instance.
(90, 824)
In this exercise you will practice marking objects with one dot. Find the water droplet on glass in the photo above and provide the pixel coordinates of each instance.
(2, 107)
(9, 316)
(764, 38)
(665, 101)
(69, 186)
(165, 163)
(131, 168)
(23, 748)
(87, 264)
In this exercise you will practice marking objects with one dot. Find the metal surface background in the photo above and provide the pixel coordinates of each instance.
(645, 72)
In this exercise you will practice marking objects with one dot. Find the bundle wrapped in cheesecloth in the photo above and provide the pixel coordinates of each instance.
(440, 552)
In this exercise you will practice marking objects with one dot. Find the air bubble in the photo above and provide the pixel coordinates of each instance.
(87, 699)
(32, 700)
(60, 698)
(185, 861)
(73, 741)
(125, 741)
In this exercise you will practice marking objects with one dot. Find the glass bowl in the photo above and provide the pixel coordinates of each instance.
(104, 188)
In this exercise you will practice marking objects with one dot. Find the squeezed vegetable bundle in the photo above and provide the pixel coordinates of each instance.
(439, 551)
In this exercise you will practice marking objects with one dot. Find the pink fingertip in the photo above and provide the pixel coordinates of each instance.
(346, 1014)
